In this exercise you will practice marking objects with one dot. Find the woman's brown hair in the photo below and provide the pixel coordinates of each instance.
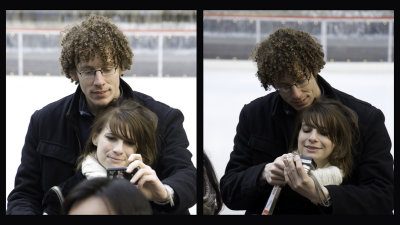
(339, 122)
(130, 121)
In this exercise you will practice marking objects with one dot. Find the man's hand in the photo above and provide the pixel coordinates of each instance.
(273, 173)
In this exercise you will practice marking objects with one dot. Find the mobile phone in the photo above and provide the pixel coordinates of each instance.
(120, 172)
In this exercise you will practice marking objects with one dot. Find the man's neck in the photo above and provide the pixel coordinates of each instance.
(95, 109)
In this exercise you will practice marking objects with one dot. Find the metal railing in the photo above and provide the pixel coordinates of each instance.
(364, 33)
(155, 46)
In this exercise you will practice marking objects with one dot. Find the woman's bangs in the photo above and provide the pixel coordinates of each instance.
(122, 129)
(316, 120)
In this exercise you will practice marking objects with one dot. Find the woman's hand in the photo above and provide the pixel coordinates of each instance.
(297, 178)
(147, 180)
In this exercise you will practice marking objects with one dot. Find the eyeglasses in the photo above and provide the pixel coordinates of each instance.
(299, 84)
(90, 74)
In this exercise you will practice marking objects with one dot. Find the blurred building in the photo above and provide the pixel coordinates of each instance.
(163, 41)
(346, 35)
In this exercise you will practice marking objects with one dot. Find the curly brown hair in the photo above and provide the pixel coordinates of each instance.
(287, 52)
(95, 35)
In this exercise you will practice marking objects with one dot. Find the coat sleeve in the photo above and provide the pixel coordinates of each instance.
(370, 189)
(27, 194)
(240, 187)
(174, 166)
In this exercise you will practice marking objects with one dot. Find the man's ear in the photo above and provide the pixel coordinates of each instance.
(74, 75)
(121, 72)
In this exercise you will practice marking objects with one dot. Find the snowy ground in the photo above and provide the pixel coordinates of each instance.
(228, 85)
(26, 94)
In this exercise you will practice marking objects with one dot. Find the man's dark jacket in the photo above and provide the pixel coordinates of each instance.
(264, 133)
(52, 146)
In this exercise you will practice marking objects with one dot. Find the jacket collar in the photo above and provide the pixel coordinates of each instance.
(72, 112)
(127, 90)
(73, 108)
(326, 89)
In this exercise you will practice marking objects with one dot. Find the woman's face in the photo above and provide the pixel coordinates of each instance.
(315, 144)
(112, 151)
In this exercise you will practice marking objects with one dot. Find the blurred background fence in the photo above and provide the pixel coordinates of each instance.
(163, 41)
(346, 35)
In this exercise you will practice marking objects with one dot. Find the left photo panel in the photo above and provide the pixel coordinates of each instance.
(101, 108)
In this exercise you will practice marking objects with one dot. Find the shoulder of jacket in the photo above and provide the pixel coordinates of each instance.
(159, 108)
(268, 101)
(350, 101)
(55, 108)
(362, 108)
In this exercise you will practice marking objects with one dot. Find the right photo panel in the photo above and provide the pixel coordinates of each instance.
(298, 112)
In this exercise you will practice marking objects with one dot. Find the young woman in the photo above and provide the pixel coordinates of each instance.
(123, 135)
(326, 132)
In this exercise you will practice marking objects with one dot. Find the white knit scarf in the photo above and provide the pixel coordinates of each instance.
(91, 168)
(329, 175)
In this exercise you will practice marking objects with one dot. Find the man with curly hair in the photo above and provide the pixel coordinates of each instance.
(95, 55)
(289, 60)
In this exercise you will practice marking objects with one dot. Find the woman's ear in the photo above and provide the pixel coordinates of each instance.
(95, 139)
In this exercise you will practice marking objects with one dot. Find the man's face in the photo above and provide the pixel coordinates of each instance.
(299, 97)
(99, 90)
